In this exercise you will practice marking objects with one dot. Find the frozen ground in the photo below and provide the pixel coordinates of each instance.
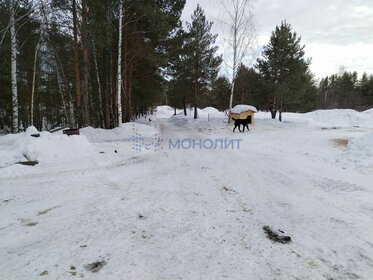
(191, 214)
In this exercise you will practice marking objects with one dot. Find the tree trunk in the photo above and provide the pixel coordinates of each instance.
(69, 116)
(184, 106)
(101, 113)
(119, 73)
(62, 82)
(233, 72)
(235, 29)
(86, 117)
(281, 108)
(125, 81)
(195, 98)
(76, 59)
(109, 79)
(273, 113)
(14, 67)
(33, 83)
(129, 97)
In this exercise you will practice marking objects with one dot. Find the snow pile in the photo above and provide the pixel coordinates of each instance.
(123, 133)
(164, 111)
(46, 148)
(327, 118)
(338, 118)
(238, 109)
(206, 113)
(360, 150)
(210, 110)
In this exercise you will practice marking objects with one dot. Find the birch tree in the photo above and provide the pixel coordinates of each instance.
(13, 66)
(34, 82)
(119, 73)
(241, 26)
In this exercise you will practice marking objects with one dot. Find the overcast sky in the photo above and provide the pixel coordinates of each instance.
(336, 32)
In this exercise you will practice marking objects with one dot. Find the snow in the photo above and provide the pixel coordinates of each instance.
(122, 133)
(341, 118)
(328, 118)
(164, 111)
(368, 113)
(191, 213)
(46, 148)
(238, 109)
(210, 110)
(360, 150)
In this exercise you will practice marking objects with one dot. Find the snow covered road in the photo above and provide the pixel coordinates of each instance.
(193, 214)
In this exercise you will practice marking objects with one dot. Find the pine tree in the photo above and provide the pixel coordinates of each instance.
(221, 90)
(199, 60)
(286, 71)
(249, 88)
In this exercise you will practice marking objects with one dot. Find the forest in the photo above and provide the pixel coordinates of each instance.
(77, 63)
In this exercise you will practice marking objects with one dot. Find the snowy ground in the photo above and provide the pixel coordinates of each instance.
(192, 214)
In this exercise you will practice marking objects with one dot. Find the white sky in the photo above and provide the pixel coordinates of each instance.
(336, 32)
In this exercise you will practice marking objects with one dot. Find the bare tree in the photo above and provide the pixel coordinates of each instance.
(14, 65)
(239, 20)
(85, 84)
(34, 81)
(119, 73)
(101, 112)
(76, 56)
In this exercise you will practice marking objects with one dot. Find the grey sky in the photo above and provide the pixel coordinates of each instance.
(336, 32)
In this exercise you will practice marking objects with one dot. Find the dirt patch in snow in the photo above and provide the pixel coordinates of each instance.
(47, 210)
(341, 142)
(276, 237)
(95, 266)
(44, 273)
(228, 189)
(31, 224)
(29, 162)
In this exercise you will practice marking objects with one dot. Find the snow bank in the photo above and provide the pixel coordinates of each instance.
(238, 109)
(164, 111)
(206, 113)
(368, 113)
(210, 110)
(328, 118)
(338, 118)
(123, 133)
(46, 148)
(360, 150)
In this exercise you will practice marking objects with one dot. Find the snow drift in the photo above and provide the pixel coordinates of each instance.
(328, 118)
(360, 150)
(46, 148)
(123, 133)
(338, 118)
(164, 111)
(210, 110)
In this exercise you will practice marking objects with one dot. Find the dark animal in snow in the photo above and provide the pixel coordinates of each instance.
(239, 122)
